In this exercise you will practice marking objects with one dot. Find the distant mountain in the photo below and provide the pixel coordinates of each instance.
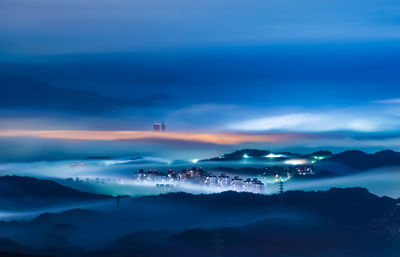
(27, 193)
(358, 160)
(265, 155)
(63, 220)
(344, 162)
(98, 158)
(323, 153)
(17, 92)
(239, 155)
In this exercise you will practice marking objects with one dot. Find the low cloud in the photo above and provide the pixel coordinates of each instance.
(389, 101)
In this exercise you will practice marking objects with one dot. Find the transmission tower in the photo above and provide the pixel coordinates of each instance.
(218, 243)
(281, 187)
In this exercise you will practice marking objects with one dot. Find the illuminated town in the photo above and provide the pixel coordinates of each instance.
(209, 182)
(274, 168)
(199, 177)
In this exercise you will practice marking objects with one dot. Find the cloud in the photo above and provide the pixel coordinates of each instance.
(318, 122)
(60, 144)
(209, 116)
(98, 135)
(389, 101)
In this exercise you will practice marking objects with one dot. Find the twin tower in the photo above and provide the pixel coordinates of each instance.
(157, 126)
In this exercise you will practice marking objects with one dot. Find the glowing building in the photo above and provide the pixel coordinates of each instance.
(156, 127)
(224, 181)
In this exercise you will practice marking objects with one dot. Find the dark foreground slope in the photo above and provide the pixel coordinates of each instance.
(337, 222)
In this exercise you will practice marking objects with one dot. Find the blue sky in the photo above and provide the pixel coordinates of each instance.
(253, 66)
(61, 26)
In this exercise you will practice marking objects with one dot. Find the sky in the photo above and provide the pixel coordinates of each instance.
(324, 72)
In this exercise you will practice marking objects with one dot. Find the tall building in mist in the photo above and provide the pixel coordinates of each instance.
(157, 127)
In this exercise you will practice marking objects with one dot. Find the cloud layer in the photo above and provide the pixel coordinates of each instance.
(319, 122)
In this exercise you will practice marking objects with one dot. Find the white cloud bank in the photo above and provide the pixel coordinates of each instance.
(318, 122)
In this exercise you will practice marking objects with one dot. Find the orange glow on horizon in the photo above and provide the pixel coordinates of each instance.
(100, 135)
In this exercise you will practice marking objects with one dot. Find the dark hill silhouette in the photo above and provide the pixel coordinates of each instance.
(323, 153)
(25, 193)
(335, 203)
(337, 222)
(359, 160)
(238, 155)
(67, 217)
(12, 246)
(19, 254)
(256, 154)
(333, 164)
(297, 223)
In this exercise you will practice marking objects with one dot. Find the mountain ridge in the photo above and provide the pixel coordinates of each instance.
(18, 192)
(355, 160)
(21, 92)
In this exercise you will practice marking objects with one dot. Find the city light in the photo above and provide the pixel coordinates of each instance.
(245, 156)
(296, 162)
(272, 155)
(198, 178)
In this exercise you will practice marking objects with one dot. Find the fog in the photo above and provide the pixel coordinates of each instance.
(382, 182)
(117, 176)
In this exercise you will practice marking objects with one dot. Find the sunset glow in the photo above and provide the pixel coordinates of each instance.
(216, 138)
